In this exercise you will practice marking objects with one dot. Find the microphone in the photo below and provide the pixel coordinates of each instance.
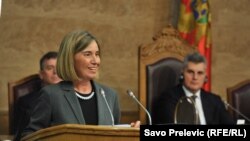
(111, 114)
(186, 111)
(130, 93)
(237, 111)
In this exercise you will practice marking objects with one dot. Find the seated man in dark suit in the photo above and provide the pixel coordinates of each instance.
(48, 76)
(209, 106)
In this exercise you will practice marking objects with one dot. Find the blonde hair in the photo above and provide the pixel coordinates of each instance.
(71, 44)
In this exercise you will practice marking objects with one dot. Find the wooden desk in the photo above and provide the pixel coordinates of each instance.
(6, 137)
(76, 132)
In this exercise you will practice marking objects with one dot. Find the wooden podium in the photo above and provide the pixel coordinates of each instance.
(76, 132)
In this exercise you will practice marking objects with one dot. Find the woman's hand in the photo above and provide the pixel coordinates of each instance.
(136, 124)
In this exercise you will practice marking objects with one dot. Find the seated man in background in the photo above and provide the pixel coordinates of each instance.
(209, 106)
(48, 76)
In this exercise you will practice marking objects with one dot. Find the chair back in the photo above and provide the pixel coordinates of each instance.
(19, 89)
(238, 97)
(160, 66)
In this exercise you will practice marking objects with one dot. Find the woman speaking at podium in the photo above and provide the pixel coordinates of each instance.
(78, 99)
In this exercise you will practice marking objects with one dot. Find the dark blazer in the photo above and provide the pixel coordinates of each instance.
(214, 109)
(23, 109)
(58, 104)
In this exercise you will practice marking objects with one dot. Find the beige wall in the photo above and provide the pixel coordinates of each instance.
(30, 28)
(231, 42)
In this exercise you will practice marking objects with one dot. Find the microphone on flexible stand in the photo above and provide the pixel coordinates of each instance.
(237, 111)
(111, 114)
(130, 93)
